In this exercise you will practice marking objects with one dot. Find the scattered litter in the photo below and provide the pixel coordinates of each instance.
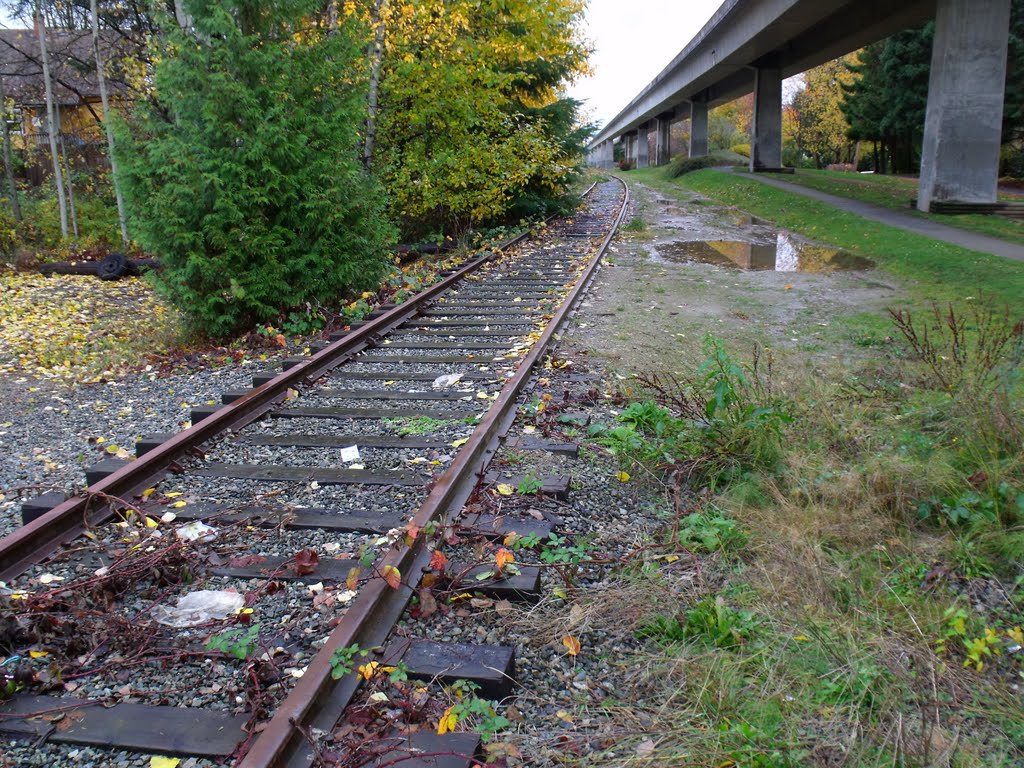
(447, 380)
(350, 454)
(199, 607)
(197, 530)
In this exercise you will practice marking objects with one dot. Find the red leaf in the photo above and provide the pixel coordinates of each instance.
(438, 561)
(306, 561)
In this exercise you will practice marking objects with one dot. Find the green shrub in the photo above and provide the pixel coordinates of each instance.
(741, 149)
(244, 176)
(684, 165)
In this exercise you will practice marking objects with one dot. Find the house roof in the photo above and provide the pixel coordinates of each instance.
(72, 65)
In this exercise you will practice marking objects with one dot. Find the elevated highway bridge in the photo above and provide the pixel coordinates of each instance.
(752, 45)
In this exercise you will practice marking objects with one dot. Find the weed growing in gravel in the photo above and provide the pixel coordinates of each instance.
(419, 425)
(725, 421)
(240, 642)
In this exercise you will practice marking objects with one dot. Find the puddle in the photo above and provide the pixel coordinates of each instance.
(784, 255)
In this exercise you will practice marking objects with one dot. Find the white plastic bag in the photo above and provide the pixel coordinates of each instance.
(199, 607)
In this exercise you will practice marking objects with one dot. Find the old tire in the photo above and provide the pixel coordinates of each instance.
(112, 267)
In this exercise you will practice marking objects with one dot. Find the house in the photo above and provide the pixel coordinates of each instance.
(75, 89)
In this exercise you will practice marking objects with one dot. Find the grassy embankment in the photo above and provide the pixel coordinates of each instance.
(896, 192)
(853, 528)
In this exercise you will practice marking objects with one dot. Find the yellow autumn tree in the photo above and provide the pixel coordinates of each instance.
(471, 126)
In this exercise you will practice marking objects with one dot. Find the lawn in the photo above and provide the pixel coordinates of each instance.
(896, 192)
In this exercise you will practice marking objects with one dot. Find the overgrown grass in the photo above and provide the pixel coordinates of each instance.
(896, 192)
(853, 595)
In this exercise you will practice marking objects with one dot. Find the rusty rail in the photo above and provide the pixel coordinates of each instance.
(317, 699)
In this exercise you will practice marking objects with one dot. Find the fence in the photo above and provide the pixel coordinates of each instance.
(33, 164)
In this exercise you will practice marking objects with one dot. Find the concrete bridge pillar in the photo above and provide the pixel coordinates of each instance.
(698, 128)
(629, 147)
(663, 138)
(963, 123)
(766, 142)
(608, 160)
(643, 145)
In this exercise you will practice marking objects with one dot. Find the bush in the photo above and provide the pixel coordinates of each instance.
(684, 165)
(243, 177)
(846, 167)
(741, 149)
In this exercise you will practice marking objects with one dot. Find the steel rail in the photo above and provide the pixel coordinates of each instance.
(42, 537)
(370, 617)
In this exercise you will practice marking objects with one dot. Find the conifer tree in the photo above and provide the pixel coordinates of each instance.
(243, 175)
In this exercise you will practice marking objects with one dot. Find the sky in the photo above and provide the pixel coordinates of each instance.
(633, 41)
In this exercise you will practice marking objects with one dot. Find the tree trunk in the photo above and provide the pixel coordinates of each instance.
(184, 20)
(51, 118)
(12, 189)
(66, 165)
(104, 98)
(380, 8)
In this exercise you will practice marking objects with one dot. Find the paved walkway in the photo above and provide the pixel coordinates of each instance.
(921, 226)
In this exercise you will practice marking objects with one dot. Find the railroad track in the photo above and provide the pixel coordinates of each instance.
(303, 514)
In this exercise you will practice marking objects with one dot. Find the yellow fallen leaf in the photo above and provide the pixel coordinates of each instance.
(448, 721)
(173, 495)
(459, 443)
(159, 761)
(179, 504)
(622, 477)
(388, 383)
(148, 492)
(572, 645)
(505, 489)
(151, 523)
(38, 654)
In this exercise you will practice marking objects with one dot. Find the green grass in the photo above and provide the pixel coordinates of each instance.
(896, 192)
(832, 615)
(932, 270)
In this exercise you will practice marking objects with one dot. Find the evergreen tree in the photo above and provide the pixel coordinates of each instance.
(243, 175)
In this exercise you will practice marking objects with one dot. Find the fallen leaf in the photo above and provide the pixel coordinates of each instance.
(505, 489)
(428, 605)
(645, 748)
(179, 504)
(622, 477)
(503, 607)
(38, 654)
(459, 443)
(448, 721)
(306, 561)
(572, 645)
(159, 761)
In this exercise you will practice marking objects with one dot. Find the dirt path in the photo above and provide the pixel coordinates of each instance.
(650, 308)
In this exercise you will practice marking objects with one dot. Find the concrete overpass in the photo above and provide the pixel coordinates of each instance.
(752, 45)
